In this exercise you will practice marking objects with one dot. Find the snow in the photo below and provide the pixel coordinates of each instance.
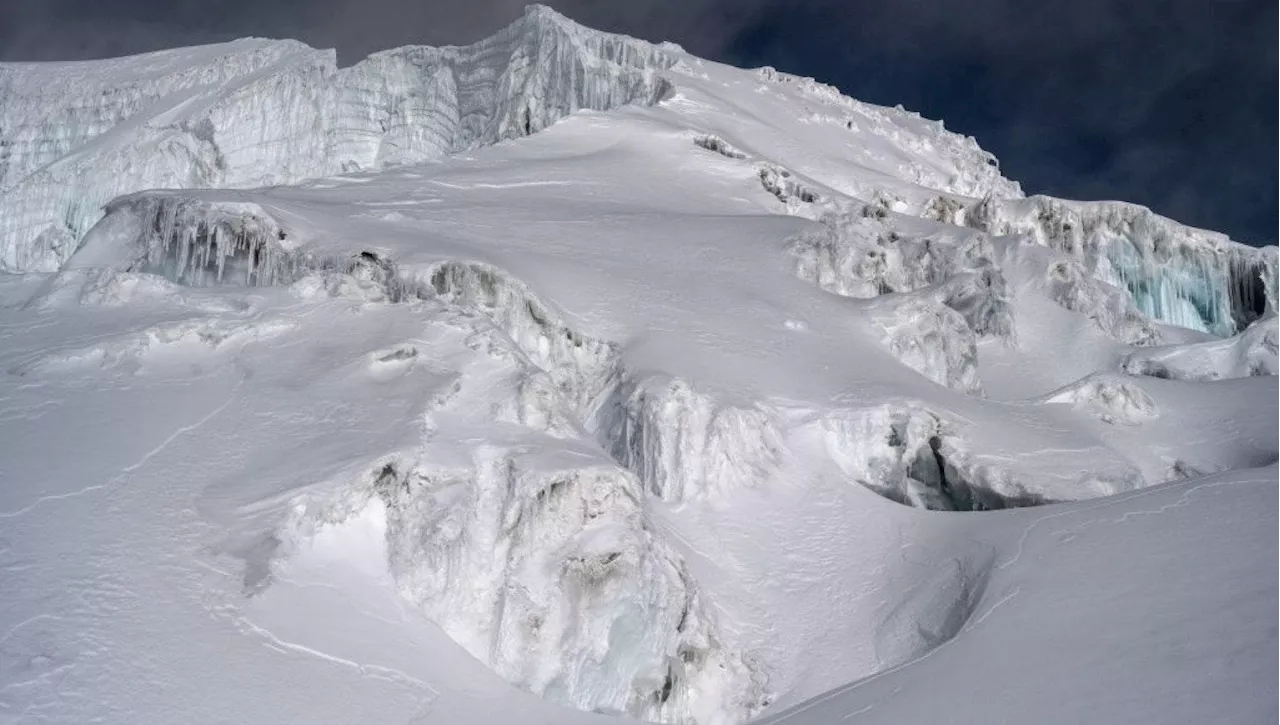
(568, 378)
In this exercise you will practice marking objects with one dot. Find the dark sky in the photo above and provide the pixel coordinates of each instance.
(1167, 103)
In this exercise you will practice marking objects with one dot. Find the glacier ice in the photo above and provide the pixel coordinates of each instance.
(1175, 274)
(930, 338)
(580, 367)
(253, 113)
(684, 444)
(912, 456)
(856, 252)
(552, 577)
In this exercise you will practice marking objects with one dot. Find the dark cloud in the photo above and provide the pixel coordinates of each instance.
(1168, 103)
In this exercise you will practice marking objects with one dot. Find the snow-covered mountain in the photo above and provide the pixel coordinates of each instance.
(565, 374)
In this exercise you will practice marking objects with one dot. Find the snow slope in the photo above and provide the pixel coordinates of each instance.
(564, 375)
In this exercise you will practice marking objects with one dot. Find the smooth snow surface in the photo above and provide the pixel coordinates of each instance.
(565, 377)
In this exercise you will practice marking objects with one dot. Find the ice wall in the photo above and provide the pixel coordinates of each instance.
(1175, 274)
(254, 112)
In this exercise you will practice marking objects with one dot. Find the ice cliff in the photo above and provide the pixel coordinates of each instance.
(256, 112)
(1175, 274)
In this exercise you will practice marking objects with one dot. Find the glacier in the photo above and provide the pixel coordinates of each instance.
(565, 377)
(257, 112)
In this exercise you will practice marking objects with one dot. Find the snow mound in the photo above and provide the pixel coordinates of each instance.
(1252, 352)
(1110, 398)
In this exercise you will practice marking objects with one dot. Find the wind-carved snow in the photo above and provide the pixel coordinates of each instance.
(1175, 274)
(969, 171)
(253, 113)
(1250, 353)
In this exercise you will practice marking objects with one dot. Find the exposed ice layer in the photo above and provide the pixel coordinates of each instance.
(254, 113)
(909, 455)
(1176, 274)
(1250, 353)
(969, 170)
(787, 190)
(1069, 284)
(198, 243)
(552, 578)
(930, 338)
(719, 145)
(855, 253)
(580, 367)
(1109, 397)
(684, 444)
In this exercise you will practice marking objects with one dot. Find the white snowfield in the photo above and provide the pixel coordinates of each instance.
(567, 378)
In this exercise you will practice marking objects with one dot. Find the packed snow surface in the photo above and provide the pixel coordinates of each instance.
(565, 377)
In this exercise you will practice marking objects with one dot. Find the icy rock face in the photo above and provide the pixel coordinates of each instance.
(683, 444)
(909, 455)
(1248, 354)
(1110, 398)
(1175, 274)
(253, 113)
(553, 579)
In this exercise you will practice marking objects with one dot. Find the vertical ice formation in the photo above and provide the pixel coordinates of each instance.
(253, 112)
(1175, 274)
(552, 577)
(1109, 307)
(202, 243)
(684, 444)
(580, 367)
